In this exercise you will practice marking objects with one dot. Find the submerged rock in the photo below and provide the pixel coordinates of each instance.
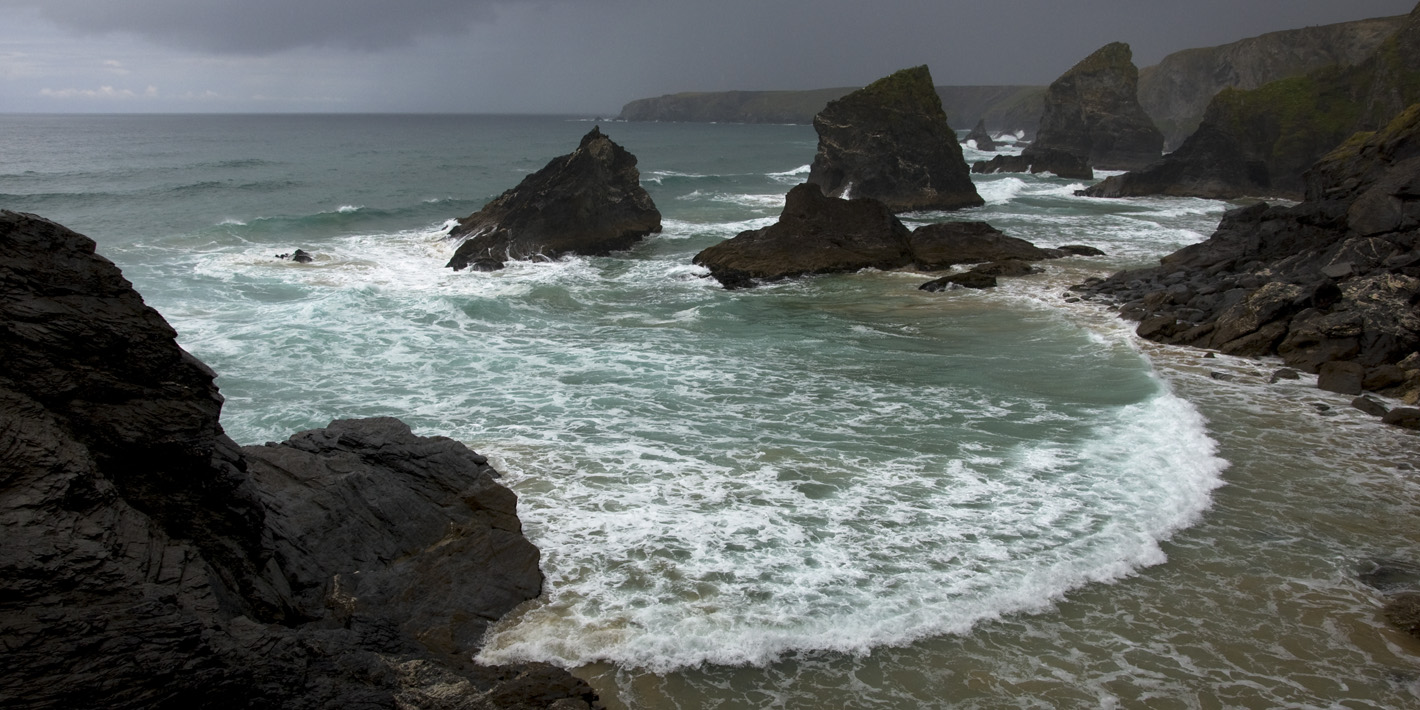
(151, 562)
(589, 203)
(1333, 279)
(890, 141)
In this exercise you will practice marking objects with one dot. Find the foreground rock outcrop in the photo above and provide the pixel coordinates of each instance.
(1092, 113)
(817, 234)
(151, 562)
(890, 141)
(1331, 282)
(1260, 142)
(589, 203)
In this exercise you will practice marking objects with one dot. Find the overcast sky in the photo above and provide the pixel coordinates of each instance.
(572, 56)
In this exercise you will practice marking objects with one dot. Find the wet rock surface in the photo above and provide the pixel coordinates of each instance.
(151, 562)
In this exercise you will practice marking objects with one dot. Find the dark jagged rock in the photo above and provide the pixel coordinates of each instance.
(890, 141)
(815, 234)
(589, 203)
(1260, 142)
(1038, 160)
(978, 138)
(1092, 112)
(1176, 91)
(967, 279)
(1335, 278)
(946, 244)
(150, 562)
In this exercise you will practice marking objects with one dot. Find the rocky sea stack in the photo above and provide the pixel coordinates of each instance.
(589, 203)
(1331, 285)
(890, 141)
(1092, 114)
(151, 562)
(979, 139)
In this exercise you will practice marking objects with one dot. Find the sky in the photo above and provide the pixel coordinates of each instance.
(572, 56)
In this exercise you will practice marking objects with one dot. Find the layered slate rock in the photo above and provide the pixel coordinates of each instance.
(588, 203)
(979, 139)
(1333, 279)
(1260, 142)
(817, 234)
(1092, 112)
(890, 141)
(150, 562)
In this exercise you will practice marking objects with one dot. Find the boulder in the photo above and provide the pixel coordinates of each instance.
(1092, 112)
(588, 203)
(980, 139)
(815, 234)
(1340, 376)
(1405, 417)
(946, 244)
(967, 279)
(1333, 279)
(151, 562)
(890, 141)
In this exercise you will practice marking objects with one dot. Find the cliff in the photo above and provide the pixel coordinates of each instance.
(1092, 111)
(1176, 91)
(150, 562)
(1260, 142)
(1004, 108)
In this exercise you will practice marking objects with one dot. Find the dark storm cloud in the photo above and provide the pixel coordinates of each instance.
(264, 26)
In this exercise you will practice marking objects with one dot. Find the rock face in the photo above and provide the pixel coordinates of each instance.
(151, 562)
(1176, 91)
(589, 202)
(1093, 111)
(890, 142)
(1260, 142)
(817, 234)
(978, 138)
(1335, 278)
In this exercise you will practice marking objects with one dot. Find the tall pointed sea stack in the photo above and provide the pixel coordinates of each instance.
(890, 141)
(1093, 111)
(589, 202)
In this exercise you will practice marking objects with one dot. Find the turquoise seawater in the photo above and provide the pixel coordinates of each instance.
(836, 492)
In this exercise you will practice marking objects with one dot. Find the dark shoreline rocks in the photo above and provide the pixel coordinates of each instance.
(890, 141)
(1330, 285)
(979, 139)
(151, 562)
(589, 203)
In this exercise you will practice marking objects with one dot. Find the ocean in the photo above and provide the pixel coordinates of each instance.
(833, 492)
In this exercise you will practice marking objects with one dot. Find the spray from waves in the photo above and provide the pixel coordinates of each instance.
(1000, 189)
(791, 177)
(704, 564)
